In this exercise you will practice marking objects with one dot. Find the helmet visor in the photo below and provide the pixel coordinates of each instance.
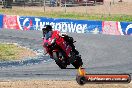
(44, 31)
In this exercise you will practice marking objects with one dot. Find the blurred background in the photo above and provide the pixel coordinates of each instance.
(86, 7)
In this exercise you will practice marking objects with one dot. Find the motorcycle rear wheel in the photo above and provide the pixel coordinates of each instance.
(77, 63)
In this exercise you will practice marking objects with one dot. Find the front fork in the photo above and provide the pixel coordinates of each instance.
(58, 55)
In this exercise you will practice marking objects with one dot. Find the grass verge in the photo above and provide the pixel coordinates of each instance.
(13, 52)
(82, 16)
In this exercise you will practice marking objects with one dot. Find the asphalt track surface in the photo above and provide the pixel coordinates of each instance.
(100, 54)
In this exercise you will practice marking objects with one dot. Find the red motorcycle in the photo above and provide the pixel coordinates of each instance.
(61, 51)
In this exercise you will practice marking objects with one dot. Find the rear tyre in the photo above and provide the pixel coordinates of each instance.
(77, 63)
(59, 61)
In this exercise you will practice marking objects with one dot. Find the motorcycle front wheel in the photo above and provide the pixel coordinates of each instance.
(59, 60)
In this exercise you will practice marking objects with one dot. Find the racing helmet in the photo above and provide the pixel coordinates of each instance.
(46, 29)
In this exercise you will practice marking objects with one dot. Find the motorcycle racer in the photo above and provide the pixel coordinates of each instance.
(47, 32)
(60, 47)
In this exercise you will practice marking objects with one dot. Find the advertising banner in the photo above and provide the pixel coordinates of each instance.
(110, 27)
(66, 25)
(125, 28)
(10, 22)
(63, 25)
(1, 21)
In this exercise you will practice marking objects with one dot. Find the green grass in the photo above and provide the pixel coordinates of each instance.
(10, 52)
(82, 16)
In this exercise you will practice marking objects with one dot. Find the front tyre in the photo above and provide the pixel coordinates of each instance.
(62, 66)
(59, 60)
